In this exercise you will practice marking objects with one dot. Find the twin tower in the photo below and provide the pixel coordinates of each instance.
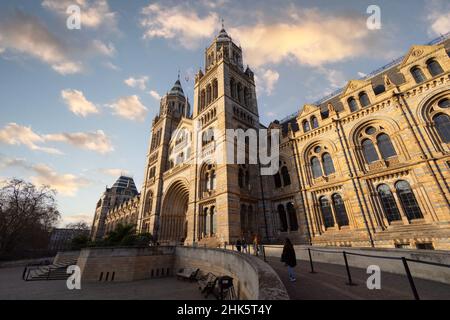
(183, 200)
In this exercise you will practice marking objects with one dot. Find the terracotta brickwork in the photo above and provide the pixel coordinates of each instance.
(369, 166)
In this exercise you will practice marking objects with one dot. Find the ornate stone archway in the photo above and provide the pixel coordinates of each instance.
(173, 223)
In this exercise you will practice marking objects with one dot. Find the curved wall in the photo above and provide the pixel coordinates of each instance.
(253, 278)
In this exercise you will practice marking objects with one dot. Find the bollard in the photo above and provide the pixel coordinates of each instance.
(310, 261)
(264, 252)
(410, 279)
(350, 283)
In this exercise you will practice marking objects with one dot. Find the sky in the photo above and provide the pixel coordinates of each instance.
(76, 105)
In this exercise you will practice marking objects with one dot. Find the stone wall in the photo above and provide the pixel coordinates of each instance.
(418, 270)
(125, 264)
(253, 278)
(63, 256)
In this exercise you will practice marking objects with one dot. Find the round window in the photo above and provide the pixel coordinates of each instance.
(370, 130)
(317, 149)
(444, 103)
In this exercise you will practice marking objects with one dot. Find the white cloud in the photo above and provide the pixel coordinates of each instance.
(103, 48)
(309, 38)
(65, 184)
(14, 134)
(77, 103)
(362, 74)
(110, 65)
(25, 34)
(95, 141)
(130, 108)
(140, 82)
(155, 95)
(179, 23)
(41, 174)
(438, 17)
(114, 172)
(94, 13)
(335, 77)
(75, 218)
(266, 80)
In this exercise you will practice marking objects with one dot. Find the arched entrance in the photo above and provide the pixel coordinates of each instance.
(173, 224)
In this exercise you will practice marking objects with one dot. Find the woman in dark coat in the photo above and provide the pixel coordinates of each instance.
(238, 245)
(289, 258)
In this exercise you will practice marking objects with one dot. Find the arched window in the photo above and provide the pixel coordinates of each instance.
(233, 88)
(286, 176)
(241, 178)
(327, 214)
(204, 221)
(305, 126)
(328, 166)
(434, 67)
(207, 222)
(250, 219)
(277, 180)
(444, 103)
(369, 151)
(243, 218)
(282, 216)
(418, 75)
(408, 200)
(364, 99)
(213, 220)
(385, 146)
(442, 123)
(390, 208)
(292, 216)
(203, 100)
(207, 181)
(314, 122)
(215, 89)
(148, 204)
(239, 92)
(316, 168)
(208, 94)
(352, 104)
(246, 97)
(213, 180)
(339, 210)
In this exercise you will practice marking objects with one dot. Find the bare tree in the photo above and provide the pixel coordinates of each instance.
(27, 214)
(81, 226)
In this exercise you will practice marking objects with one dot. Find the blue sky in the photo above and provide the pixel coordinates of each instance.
(76, 105)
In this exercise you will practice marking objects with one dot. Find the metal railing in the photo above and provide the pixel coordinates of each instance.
(403, 259)
(262, 252)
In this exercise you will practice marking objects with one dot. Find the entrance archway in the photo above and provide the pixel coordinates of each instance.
(173, 224)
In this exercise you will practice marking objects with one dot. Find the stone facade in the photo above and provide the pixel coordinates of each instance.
(118, 204)
(368, 166)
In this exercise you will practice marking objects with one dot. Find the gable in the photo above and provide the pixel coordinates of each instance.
(416, 53)
(354, 85)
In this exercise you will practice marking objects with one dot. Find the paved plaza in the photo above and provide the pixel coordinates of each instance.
(329, 283)
(12, 287)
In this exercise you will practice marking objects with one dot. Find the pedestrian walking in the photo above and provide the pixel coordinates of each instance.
(289, 258)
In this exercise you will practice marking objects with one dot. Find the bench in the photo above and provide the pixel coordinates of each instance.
(187, 273)
(207, 283)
